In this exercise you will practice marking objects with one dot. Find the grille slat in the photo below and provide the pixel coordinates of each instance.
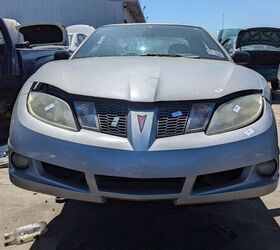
(171, 126)
(107, 111)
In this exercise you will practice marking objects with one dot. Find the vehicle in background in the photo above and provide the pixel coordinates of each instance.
(23, 50)
(225, 34)
(77, 34)
(42, 36)
(263, 46)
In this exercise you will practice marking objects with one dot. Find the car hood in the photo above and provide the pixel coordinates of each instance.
(146, 79)
(259, 36)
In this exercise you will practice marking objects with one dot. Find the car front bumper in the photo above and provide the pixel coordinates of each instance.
(182, 158)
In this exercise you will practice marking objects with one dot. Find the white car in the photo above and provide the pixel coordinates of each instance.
(146, 112)
(77, 34)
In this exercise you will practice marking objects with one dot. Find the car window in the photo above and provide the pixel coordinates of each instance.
(3, 47)
(147, 45)
(140, 40)
(2, 40)
(229, 45)
(80, 38)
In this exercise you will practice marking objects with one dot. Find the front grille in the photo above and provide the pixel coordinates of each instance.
(109, 110)
(169, 124)
(139, 186)
(172, 117)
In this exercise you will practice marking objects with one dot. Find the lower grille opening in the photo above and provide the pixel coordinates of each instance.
(217, 180)
(140, 186)
(66, 176)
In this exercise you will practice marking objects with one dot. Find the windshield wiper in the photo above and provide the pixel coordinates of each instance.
(168, 55)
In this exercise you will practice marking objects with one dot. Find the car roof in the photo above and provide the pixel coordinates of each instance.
(147, 24)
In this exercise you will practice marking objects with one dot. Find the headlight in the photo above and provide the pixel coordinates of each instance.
(235, 114)
(199, 117)
(51, 109)
(86, 113)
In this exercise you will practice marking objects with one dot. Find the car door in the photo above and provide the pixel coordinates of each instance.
(8, 73)
(7, 53)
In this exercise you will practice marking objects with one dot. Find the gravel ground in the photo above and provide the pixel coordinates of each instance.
(247, 224)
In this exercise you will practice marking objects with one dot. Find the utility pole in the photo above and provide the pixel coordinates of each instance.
(223, 21)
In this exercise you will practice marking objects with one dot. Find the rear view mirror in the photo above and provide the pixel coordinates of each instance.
(61, 55)
(241, 58)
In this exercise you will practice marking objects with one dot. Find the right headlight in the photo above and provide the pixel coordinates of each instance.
(235, 114)
(51, 109)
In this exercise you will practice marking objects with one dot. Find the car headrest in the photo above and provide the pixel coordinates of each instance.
(177, 49)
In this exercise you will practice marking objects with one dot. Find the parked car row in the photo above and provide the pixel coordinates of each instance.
(23, 50)
(262, 46)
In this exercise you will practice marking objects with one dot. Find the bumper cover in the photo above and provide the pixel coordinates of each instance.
(185, 156)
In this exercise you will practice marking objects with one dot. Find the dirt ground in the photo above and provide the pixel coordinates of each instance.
(247, 224)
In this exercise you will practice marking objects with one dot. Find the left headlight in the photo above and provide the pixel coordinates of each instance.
(51, 110)
(235, 114)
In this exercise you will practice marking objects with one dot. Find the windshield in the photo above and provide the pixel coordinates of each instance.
(151, 40)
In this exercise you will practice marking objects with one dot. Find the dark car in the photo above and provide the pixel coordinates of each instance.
(263, 46)
(22, 52)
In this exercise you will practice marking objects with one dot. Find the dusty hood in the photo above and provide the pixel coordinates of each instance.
(148, 79)
(44, 34)
(259, 36)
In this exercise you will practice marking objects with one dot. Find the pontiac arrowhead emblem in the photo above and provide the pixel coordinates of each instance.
(141, 121)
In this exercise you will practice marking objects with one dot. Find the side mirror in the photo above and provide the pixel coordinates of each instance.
(61, 55)
(241, 58)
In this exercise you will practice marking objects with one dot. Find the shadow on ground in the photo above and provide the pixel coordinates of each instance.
(121, 225)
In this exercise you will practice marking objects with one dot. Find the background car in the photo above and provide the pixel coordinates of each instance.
(263, 45)
(225, 34)
(77, 34)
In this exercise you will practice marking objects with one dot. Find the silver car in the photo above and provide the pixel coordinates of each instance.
(146, 112)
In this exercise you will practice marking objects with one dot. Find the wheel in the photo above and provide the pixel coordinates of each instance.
(275, 85)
